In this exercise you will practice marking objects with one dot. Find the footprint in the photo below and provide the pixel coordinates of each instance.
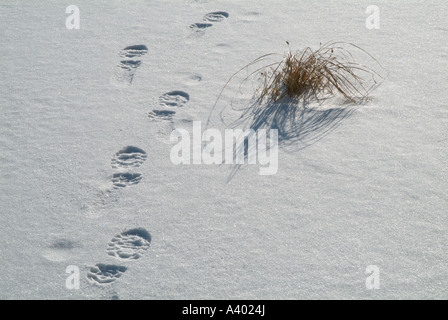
(189, 78)
(216, 16)
(102, 274)
(129, 245)
(60, 250)
(174, 99)
(249, 17)
(160, 115)
(123, 162)
(128, 157)
(115, 296)
(125, 71)
(192, 78)
(125, 179)
(134, 51)
(200, 27)
(210, 17)
(129, 65)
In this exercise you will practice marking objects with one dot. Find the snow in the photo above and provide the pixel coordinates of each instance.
(373, 191)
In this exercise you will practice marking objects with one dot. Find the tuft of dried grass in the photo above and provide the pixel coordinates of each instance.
(313, 74)
(307, 75)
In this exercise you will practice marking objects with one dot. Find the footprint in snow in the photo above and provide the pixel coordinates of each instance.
(103, 274)
(161, 115)
(123, 162)
(249, 17)
(128, 157)
(216, 16)
(174, 99)
(125, 179)
(134, 51)
(130, 244)
(164, 118)
(61, 250)
(210, 17)
(190, 78)
(200, 27)
(124, 73)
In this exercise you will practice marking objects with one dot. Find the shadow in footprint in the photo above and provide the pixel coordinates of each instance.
(64, 244)
(174, 99)
(134, 51)
(161, 115)
(216, 16)
(60, 250)
(125, 179)
(125, 71)
(200, 27)
(190, 78)
(102, 274)
(129, 245)
(128, 157)
(130, 64)
(249, 17)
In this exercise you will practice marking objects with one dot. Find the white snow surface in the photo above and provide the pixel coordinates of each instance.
(373, 191)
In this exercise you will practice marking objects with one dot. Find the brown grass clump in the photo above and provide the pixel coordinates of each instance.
(282, 86)
(313, 74)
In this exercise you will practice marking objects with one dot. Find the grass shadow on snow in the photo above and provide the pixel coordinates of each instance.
(297, 127)
(305, 94)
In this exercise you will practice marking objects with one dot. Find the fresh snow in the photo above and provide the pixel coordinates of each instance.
(87, 181)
